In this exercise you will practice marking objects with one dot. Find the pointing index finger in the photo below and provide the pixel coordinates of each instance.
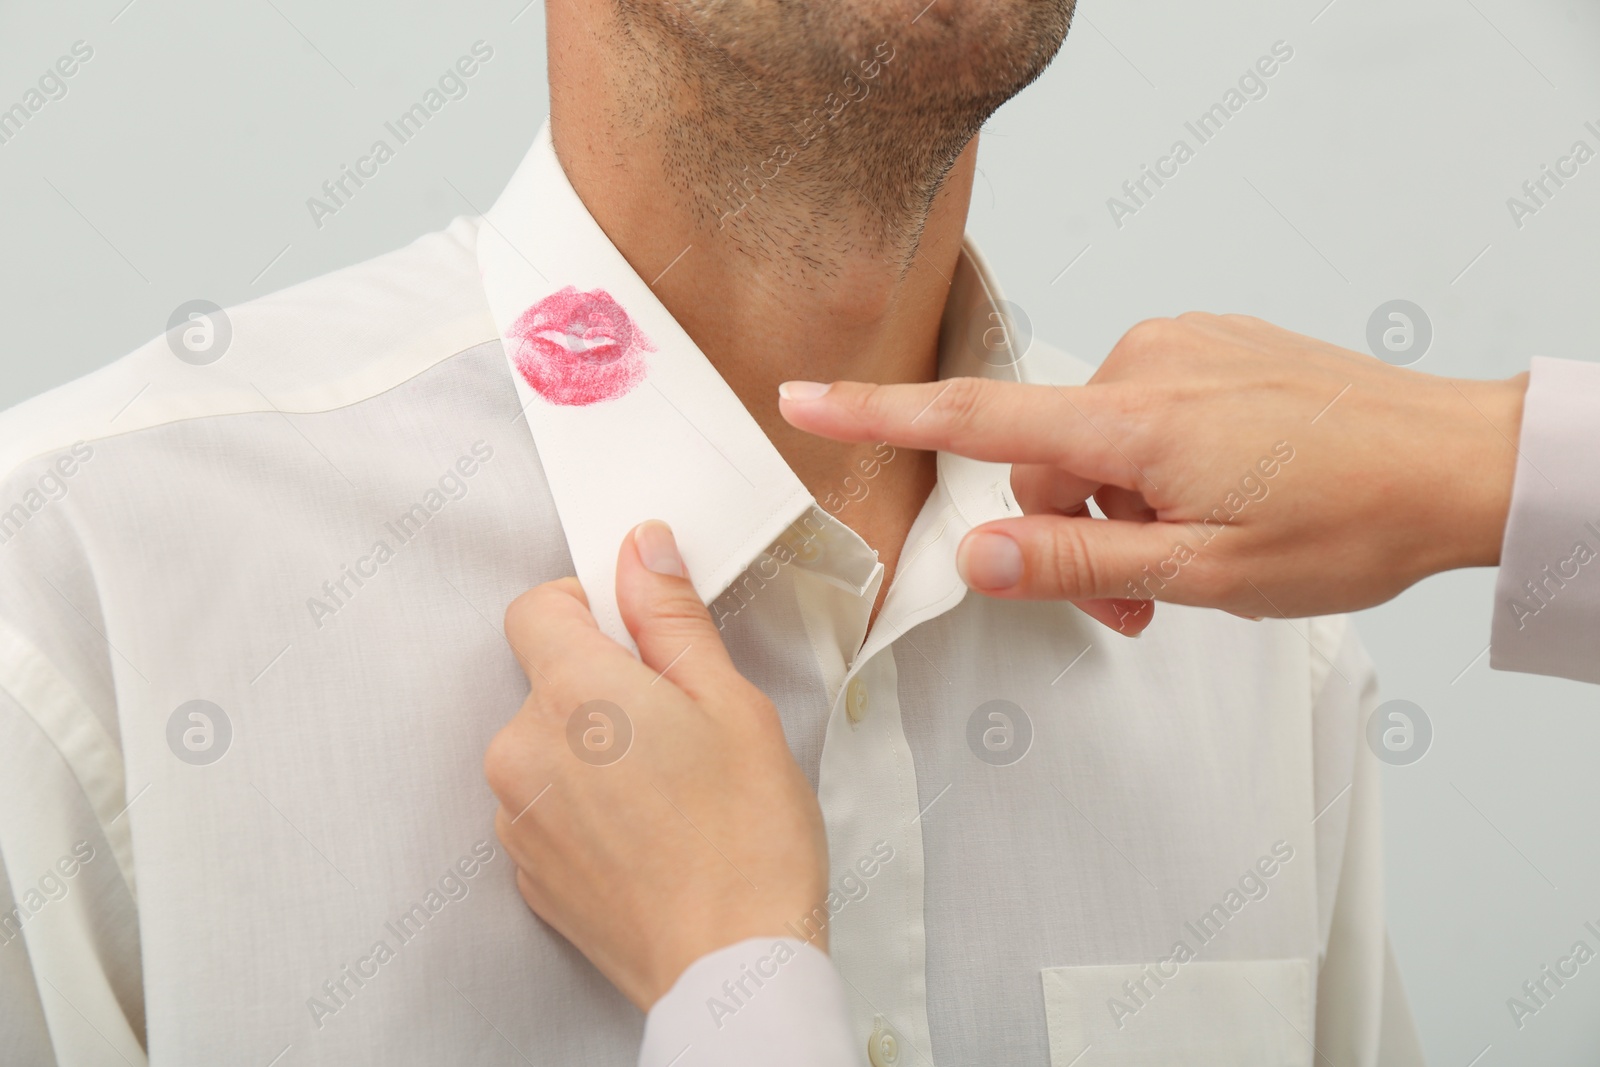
(998, 422)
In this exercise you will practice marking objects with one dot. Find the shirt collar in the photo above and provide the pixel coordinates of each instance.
(637, 424)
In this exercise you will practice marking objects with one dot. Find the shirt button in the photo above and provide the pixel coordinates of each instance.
(809, 550)
(883, 1047)
(855, 699)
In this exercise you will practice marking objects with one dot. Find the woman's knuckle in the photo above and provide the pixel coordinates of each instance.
(1070, 564)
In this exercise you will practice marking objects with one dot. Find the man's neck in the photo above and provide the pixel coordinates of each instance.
(800, 282)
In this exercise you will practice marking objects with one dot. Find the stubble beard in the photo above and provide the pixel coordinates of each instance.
(809, 133)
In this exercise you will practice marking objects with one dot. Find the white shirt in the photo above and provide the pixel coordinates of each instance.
(1045, 838)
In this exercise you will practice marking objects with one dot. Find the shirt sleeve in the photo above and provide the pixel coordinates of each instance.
(69, 934)
(779, 1003)
(1547, 594)
(69, 942)
(1363, 1015)
(23, 1029)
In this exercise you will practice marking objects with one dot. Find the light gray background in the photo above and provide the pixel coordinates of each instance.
(1378, 166)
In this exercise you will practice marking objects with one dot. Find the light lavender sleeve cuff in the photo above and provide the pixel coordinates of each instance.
(1547, 595)
(777, 1002)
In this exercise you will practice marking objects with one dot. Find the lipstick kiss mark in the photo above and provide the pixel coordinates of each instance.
(577, 349)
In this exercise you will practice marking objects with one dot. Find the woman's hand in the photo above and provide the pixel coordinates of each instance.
(653, 809)
(1239, 466)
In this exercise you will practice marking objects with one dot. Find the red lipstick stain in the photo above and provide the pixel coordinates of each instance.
(578, 348)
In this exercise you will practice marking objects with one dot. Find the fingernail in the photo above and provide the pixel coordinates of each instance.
(803, 390)
(991, 562)
(657, 550)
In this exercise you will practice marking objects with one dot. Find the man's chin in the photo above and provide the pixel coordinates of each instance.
(973, 48)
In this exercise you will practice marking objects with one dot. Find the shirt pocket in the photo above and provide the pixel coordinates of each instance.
(1226, 1013)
